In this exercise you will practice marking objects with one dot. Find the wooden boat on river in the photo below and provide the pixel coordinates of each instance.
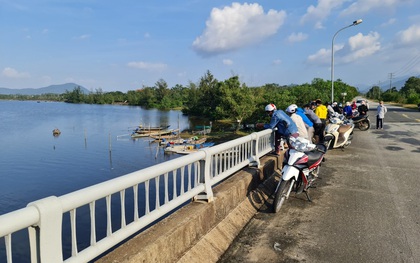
(148, 129)
(136, 134)
(178, 141)
(187, 148)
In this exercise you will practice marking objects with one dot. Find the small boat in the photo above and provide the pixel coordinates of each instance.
(149, 129)
(56, 132)
(178, 141)
(187, 148)
(136, 134)
(166, 137)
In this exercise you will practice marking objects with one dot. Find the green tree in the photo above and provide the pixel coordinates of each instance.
(237, 102)
(411, 85)
(392, 95)
(161, 89)
(75, 96)
(178, 96)
(204, 100)
(147, 97)
(411, 90)
(133, 97)
(192, 101)
(374, 93)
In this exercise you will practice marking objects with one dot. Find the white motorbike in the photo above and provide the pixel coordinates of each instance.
(301, 167)
(339, 132)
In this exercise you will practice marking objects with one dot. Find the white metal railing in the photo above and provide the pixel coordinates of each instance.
(129, 203)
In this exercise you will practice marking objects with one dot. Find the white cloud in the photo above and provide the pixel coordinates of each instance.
(277, 62)
(227, 62)
(297, 37)
(364, 6)
(322, 56)
(83, 37)
(237, 26)
(362, 46)
(358, 46)
(410, 36)
(14, 74)
(391, 21)
(147, 66)
(320, 12)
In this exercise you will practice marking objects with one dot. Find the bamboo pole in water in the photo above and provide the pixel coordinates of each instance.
(110, 146)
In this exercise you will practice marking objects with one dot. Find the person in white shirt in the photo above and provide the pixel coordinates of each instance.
(330, 109)
(291, 111)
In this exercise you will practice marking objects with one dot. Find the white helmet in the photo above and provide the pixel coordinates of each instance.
(270, 107)
(292, 108)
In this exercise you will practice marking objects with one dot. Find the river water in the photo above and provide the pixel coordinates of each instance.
(94, 146)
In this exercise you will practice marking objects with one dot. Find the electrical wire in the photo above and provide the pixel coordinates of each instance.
(408, 66)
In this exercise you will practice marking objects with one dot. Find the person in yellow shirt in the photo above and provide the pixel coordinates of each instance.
(321, 111)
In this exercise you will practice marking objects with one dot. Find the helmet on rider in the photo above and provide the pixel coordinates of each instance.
(292, 108)
(270, 107)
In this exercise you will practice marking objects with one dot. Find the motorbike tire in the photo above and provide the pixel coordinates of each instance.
(280, 195)
(364, 125)
(330, 143)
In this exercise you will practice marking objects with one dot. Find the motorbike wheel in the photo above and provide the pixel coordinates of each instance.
(330, 143)
(281, 194)
(364, 125)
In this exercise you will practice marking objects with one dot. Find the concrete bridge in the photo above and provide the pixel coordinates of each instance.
(203, 231)
(200, 203)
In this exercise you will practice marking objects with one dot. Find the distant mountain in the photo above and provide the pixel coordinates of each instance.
(396, 82)
(53, 89)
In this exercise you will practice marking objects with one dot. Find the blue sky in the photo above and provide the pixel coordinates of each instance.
(124, 45)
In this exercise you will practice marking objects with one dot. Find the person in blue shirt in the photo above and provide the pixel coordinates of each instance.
(280, 120)
(348, 111)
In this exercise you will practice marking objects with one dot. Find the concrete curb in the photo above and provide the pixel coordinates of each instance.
(201, 231)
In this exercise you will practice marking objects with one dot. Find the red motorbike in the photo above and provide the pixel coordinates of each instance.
(301, 167)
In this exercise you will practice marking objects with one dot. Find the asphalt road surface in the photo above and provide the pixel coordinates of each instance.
(366, 207)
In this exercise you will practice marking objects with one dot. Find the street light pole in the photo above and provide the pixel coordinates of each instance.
(355, 23)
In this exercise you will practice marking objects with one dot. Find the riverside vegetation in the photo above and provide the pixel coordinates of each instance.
(229, 99)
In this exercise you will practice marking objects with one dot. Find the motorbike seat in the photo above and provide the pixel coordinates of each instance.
(360, 117)
(344, 128)
(314, 156)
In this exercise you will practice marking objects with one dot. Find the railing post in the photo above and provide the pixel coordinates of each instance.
(255, 150)
(48, 242)
(205, 177)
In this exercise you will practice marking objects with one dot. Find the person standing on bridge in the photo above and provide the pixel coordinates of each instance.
(284, 124)
(317, 124)
(322, 112)
(380, 115)
(298, 120)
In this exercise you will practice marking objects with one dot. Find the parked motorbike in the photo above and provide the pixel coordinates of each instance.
(362, 122)
(339, 132)
(301, 167)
